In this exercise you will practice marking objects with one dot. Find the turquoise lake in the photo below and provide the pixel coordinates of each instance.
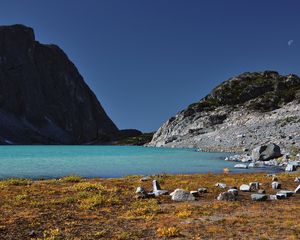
(38, 162)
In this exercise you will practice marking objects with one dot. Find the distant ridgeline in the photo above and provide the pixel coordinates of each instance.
(43, 97)
(244, 111)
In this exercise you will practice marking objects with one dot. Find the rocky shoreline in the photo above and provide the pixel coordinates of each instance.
(266, 156)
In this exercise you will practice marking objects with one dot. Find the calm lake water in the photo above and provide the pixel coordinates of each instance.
(106, 161)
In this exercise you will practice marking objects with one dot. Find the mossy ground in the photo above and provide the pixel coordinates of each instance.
(74, 208)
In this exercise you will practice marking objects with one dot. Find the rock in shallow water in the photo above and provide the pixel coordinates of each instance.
(240, 165)
(266, 152)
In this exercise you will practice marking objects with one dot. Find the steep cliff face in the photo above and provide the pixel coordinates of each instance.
(242, 112)
(43, 97)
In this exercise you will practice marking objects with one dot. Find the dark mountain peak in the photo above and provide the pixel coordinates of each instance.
(43, 97)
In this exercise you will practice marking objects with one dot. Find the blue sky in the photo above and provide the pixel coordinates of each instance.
(146, 60)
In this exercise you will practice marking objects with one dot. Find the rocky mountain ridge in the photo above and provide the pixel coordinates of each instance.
(241, 113)
(43, 97)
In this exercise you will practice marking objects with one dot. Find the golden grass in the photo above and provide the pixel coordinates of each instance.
(75, 208)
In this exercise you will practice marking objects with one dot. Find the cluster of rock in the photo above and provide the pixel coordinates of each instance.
(260, 195)
(266, 155)
(241, 113)
(177, 195)
(231, 194)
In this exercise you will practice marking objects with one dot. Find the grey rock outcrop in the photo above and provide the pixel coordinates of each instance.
(243, 112)
(226, 196)
(266, 152)
(43, 97)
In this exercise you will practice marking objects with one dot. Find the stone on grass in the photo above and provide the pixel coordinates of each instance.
(276, 185)
(297, 190)
(245, 188)
(297, 179)
(202, 190)
(157, 189)
(273, 197)
(180, 195)
(226, 196)
(233, 191)
(221, 185)
(254, 185)
(259, 197)
(284, 194)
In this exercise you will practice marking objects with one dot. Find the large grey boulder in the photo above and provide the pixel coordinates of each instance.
(259, 197)
(266, 152)
(180, 195)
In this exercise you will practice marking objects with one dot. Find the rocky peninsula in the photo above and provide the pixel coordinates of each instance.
(244, 112)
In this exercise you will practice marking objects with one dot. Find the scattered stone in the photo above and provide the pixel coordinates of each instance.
(245, 188)
(259, 197)
(233, 191)
(297, 179)
(261, 191)
(202, 190)
(180, 195)
(284, 194)
(221, 185)
(157, 189)
(140, 190)
(232, 187)
(146, 178)
(266, 152)
(276, 185)
(271, 175)
(297, 190)
(156, 185)
(273, 197)
(194, 193)
(240, 165)
(226, 196)
(254, 186)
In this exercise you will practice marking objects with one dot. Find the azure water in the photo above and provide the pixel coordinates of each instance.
(38, 162)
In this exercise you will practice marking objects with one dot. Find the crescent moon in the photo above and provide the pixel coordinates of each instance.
(290, 42)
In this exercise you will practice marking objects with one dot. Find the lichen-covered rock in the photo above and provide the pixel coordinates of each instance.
(43, 97)
(245, 188)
